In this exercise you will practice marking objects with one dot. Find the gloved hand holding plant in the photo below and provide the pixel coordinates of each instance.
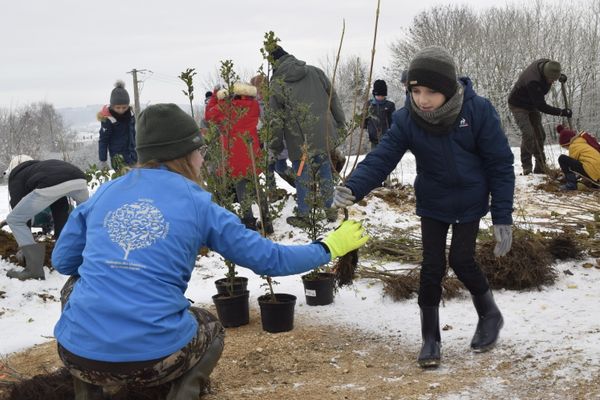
(350, 235)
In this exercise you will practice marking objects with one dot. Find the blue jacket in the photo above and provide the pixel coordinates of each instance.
(117, 138)
(134, 245)
(456, 171)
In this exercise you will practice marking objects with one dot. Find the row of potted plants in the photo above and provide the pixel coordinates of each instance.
(276, 309)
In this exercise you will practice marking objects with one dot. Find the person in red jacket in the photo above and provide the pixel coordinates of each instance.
(236, 117)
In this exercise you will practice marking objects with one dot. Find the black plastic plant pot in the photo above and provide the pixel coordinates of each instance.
(232, 310)
(277, 316)
(318, 290)
(240, 285)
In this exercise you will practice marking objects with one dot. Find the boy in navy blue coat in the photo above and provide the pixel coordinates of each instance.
(462, 158)
(117, 129)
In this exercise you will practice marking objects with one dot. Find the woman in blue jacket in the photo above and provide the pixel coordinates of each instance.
(462, 158)
(133, 247)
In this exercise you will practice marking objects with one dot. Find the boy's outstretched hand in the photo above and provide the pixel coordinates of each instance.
(350, 235)
(343, 197)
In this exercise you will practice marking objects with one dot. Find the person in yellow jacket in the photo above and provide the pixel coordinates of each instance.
(583, 159)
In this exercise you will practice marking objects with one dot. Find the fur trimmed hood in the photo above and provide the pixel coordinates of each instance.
(104, 114)
(239, 89)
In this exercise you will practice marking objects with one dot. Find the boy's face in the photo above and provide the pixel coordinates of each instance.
(379, 98)
(427, 99)
(120, 108)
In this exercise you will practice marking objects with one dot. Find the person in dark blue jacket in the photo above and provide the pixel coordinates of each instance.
(462, 158)
(117, 129)
(131, 250)
(379, 113)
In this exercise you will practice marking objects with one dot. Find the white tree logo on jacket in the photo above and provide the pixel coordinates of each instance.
(136, 225)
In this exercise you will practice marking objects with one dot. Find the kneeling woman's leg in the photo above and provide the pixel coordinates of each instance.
(188, 369)
(206, 347)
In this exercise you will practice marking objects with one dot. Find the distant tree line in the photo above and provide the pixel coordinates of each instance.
(35, 129)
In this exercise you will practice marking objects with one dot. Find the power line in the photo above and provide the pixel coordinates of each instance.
(136, 92)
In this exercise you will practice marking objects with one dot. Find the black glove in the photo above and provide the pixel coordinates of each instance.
(566, 112)
(562, 78)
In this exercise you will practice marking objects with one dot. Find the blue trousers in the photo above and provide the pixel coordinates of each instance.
(316, 170)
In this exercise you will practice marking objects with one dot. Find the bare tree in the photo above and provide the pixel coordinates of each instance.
(494, 45)
(34, 129)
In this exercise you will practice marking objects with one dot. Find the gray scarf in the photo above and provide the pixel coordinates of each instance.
(442, 119)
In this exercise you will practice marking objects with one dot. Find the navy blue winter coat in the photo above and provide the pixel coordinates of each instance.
(456, 171)
(117, 136)
(379, 118)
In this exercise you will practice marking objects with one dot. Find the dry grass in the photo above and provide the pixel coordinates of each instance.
(527, 265)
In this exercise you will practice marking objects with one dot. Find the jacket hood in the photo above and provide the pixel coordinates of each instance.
(103, 114)
(290, 68)
(468, 86)
(240, 89)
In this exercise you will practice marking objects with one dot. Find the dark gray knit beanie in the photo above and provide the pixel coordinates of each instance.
(551, 70)
(404, 76)
(119, 95)
(166, 132)
(434, 68)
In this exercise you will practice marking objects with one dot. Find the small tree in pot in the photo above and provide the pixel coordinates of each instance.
(232, 298)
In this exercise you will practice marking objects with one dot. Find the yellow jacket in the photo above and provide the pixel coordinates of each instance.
(589, 157)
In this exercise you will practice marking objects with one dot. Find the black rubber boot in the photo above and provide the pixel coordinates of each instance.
(430, 354)
(268, 227)
(490, 322)
(86, 391)
(34, 263)
(195, 381)
(249, 222)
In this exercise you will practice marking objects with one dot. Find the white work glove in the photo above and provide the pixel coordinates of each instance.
(503, 235)
(343, 197)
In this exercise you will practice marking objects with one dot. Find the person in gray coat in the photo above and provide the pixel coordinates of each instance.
(307, 122)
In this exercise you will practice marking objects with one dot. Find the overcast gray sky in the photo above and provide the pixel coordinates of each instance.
(70, 52)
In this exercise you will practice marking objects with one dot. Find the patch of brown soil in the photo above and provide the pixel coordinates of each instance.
(396, 196)
(332, 362)
(9, 247)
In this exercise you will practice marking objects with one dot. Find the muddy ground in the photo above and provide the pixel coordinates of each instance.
(332, 362)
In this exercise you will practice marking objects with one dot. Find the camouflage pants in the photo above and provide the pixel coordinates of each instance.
(533, 137)
(210, 335)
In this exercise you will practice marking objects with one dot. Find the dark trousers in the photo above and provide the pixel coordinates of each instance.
(569, 165)
(461, 259)
(60, 213)
(533, 137)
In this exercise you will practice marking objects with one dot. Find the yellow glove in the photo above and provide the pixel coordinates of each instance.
(347, 237)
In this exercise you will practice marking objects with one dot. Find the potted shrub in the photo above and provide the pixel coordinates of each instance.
(232, 295)
(276, 309)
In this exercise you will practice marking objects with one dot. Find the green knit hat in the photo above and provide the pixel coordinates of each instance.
(166, 132)
(552, 70)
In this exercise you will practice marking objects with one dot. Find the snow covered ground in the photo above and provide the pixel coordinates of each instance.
(558, 322)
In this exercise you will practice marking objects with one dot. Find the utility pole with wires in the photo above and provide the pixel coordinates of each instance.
(136, 92)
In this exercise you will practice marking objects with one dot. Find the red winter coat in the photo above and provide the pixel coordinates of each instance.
(243, 112)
